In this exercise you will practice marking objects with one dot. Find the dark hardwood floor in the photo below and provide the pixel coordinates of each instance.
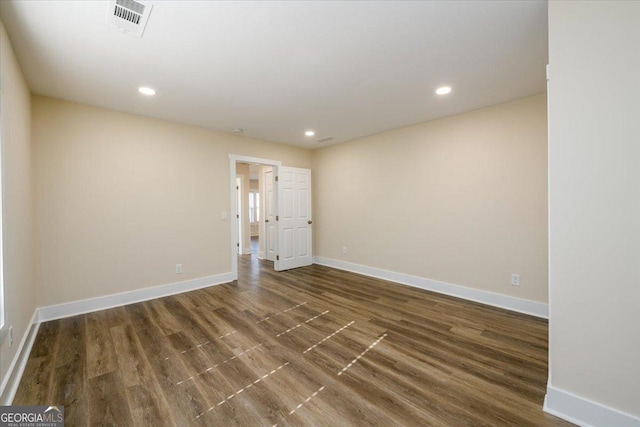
(311, 346)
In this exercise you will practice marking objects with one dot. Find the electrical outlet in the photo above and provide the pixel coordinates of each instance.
(178, 268)
(344, 249)
(224, 215)
(515, 280)
(11, 336)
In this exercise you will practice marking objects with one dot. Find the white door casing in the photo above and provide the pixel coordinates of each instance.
(295, 220)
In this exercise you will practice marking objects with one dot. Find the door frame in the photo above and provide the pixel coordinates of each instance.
(233, 202)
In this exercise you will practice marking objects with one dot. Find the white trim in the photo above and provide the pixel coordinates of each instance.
(585, 412)
(116, 300)
(11, 381)
(520, 305)
(257, 160)
(16, 369)
(551, 330)
(233, 223)
(3, 314)
(246, 250)
(260, 254)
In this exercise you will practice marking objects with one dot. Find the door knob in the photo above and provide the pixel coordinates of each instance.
(309, 222)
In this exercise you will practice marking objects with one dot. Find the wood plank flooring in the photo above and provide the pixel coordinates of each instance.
(311, 346)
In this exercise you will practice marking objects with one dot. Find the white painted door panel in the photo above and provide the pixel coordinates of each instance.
(294, 224)
(270, 209)
(239, 211)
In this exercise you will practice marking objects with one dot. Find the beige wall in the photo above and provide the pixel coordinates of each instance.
(461, 200)
(122, 198)
(594, 204)
(17, 201)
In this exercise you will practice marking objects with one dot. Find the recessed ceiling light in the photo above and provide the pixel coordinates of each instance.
(146, 91)
(443, 90)
(309, 133)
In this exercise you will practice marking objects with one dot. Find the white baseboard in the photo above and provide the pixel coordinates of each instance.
(116, 300)
(585, 412)
(11, 381)
(520, 305)
(260, 254)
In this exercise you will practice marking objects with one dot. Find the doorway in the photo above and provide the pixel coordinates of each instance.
(256, 211)
(282, 208)
(247, 165)
(239, 216)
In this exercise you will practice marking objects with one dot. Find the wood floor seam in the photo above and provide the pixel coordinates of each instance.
(311, 346)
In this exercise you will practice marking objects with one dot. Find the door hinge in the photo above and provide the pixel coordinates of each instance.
(237, 187)
(277, 218)
(547, 70)
(238, 216)
(276, 178)
(277, 257)
(238, 244)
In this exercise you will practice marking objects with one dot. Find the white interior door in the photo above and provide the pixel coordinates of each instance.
(270, 209)
(294, 222)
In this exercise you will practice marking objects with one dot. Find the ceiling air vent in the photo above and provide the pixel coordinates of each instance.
(325, 139)
(129, 15)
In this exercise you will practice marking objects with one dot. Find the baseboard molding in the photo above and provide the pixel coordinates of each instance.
(116, 300)
(520, 305)
(11, 381)
(585, 412)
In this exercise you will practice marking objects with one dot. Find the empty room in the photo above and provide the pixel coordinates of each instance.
(320, 213)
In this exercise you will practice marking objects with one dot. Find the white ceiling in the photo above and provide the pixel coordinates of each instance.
(276, 69)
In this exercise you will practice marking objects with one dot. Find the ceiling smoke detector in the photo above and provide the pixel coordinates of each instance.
(129, 15)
